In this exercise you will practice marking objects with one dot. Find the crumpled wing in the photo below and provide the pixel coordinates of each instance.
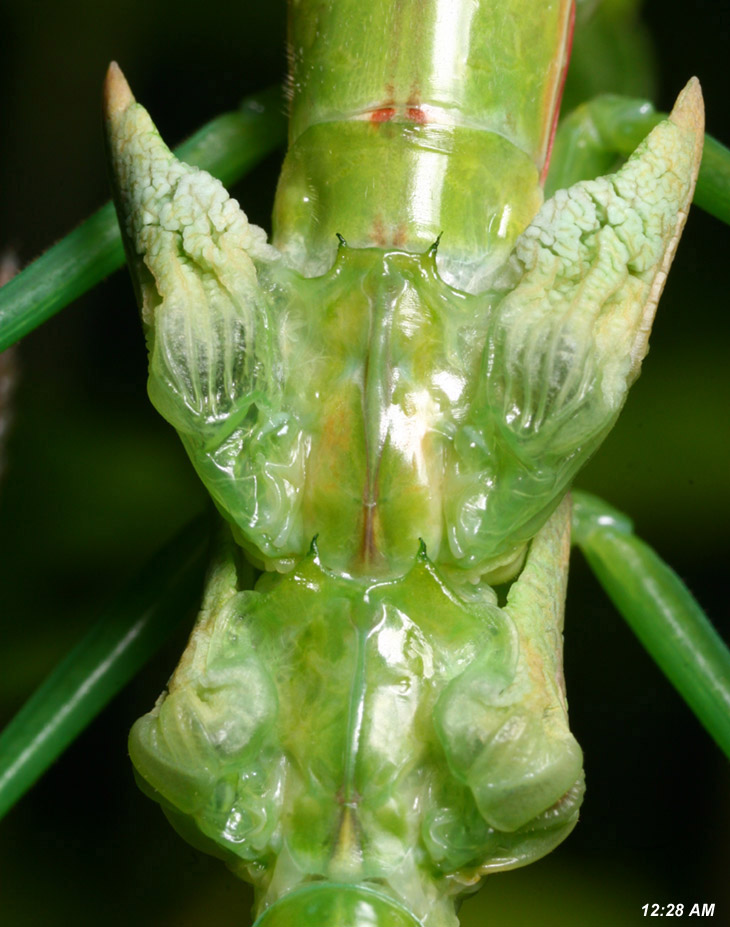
(567, 339)
(215, 364)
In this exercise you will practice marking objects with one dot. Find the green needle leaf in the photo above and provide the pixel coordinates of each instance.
(114, 649)
(712, 192)
(227, 147)
(660, 610)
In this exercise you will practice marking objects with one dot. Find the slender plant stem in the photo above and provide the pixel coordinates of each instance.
(660, 610)
(127, 634)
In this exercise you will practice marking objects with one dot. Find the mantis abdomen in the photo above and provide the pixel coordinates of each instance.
(413, 121)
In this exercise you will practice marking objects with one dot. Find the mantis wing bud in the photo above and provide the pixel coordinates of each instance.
(567, 340)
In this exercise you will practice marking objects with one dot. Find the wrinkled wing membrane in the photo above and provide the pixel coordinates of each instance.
(567, 340)
(215, 363)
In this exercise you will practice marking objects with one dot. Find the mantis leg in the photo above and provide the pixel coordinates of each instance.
(228, 147)
(661, 611)
(524, 767)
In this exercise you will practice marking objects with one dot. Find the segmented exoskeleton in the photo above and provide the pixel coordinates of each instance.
(388, 404)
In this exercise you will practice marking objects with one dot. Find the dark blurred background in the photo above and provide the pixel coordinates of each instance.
(95, 483)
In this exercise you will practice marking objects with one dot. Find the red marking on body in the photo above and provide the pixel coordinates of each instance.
(351, 802)
(556, 114)
(416, 114)
(378, 231)
(384, 114)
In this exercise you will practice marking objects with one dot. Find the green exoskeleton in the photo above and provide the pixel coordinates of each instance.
(388, 404)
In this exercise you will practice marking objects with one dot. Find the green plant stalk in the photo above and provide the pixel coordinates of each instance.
(107, 657)
(228, 147)
(661, 611)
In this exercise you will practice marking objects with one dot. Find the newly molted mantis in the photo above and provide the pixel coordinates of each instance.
(407, 272)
